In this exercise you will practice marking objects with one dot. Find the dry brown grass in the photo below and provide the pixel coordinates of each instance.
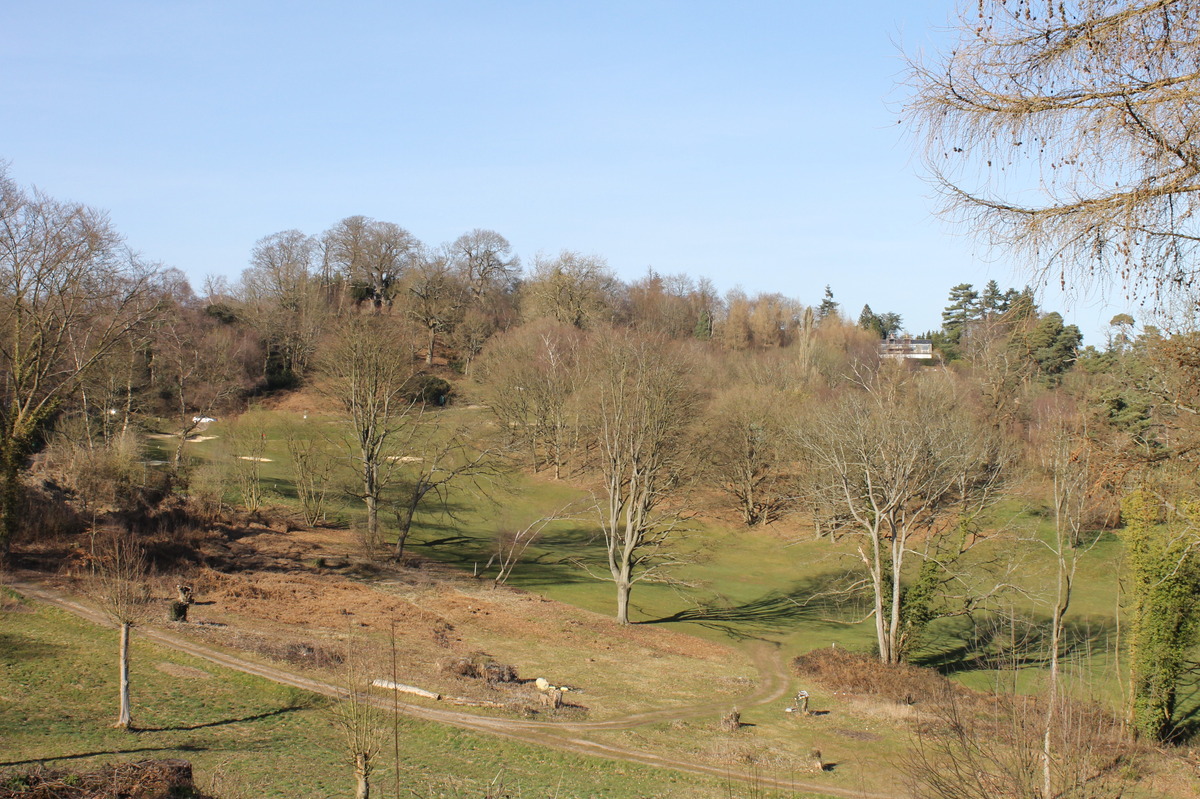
(857, 674)
(148, 779)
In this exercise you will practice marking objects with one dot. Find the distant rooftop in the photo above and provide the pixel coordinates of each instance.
(905, 347)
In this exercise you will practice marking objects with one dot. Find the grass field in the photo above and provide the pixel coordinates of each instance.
(254, 738)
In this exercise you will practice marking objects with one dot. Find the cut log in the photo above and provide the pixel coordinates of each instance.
(405, 689)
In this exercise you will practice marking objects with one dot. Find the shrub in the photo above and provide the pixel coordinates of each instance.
(856, 673)
(148, 779)
(430, 390)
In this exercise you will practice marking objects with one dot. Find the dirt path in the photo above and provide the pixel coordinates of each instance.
(563, 736)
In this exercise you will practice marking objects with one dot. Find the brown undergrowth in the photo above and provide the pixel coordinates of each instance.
(148, 779)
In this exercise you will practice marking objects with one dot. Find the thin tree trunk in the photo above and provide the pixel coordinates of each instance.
(893, 650)
(1061, 603)
(404, 520)
(124, 715)
(372, 504)
(363, 791)
(371, 494)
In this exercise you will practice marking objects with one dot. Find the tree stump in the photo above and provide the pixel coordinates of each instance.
(179, 608)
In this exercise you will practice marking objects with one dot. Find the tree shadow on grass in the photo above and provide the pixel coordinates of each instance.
(547, 562)
(820, 599)
(1186, 720)
(991, 642)
(83, 755)
(223, 722)
(16, 647)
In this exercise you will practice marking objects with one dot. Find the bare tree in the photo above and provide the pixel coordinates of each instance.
(367, 369)
(513, 540)
(283, 300)
(119, 585)
(201, 365)
(902, 466)
(1065, 132)
(574, 289)
(370, 257)
(1061, 441)
(439, 456)
(961, 752)
(359, 720)
(484, 262)
(470, 334)
(748, 453)
(246, 445)
(435, 297)
(530, 378)
(69, 293)
(642, 404)
(313, 466)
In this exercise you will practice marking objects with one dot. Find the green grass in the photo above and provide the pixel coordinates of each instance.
(58, 698)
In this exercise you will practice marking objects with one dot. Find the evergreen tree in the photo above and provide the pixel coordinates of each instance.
(889, 324)
(992, 303)
(1052, 345)
(1120, 337)
(963, 309)
(867, 320)
(1020, 304)
(828, 307)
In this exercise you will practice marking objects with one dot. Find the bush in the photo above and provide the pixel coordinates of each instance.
(855, 673)
(430, 390)
(148, 779)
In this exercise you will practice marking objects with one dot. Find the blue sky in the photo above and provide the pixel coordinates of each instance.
(752, 143)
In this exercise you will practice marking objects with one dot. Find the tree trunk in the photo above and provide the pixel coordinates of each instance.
(372, 503)
(623, 590)
(432, 336)
(10, 494)
(361, 770)
(124, 715)
(894, 655)
(880, 589)
(404, 522)
(1061, 603)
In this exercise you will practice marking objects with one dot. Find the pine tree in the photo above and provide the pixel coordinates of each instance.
(963, 309)
(828, 307)
(992, 300)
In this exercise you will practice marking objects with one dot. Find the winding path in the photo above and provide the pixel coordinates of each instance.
(563, 736)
